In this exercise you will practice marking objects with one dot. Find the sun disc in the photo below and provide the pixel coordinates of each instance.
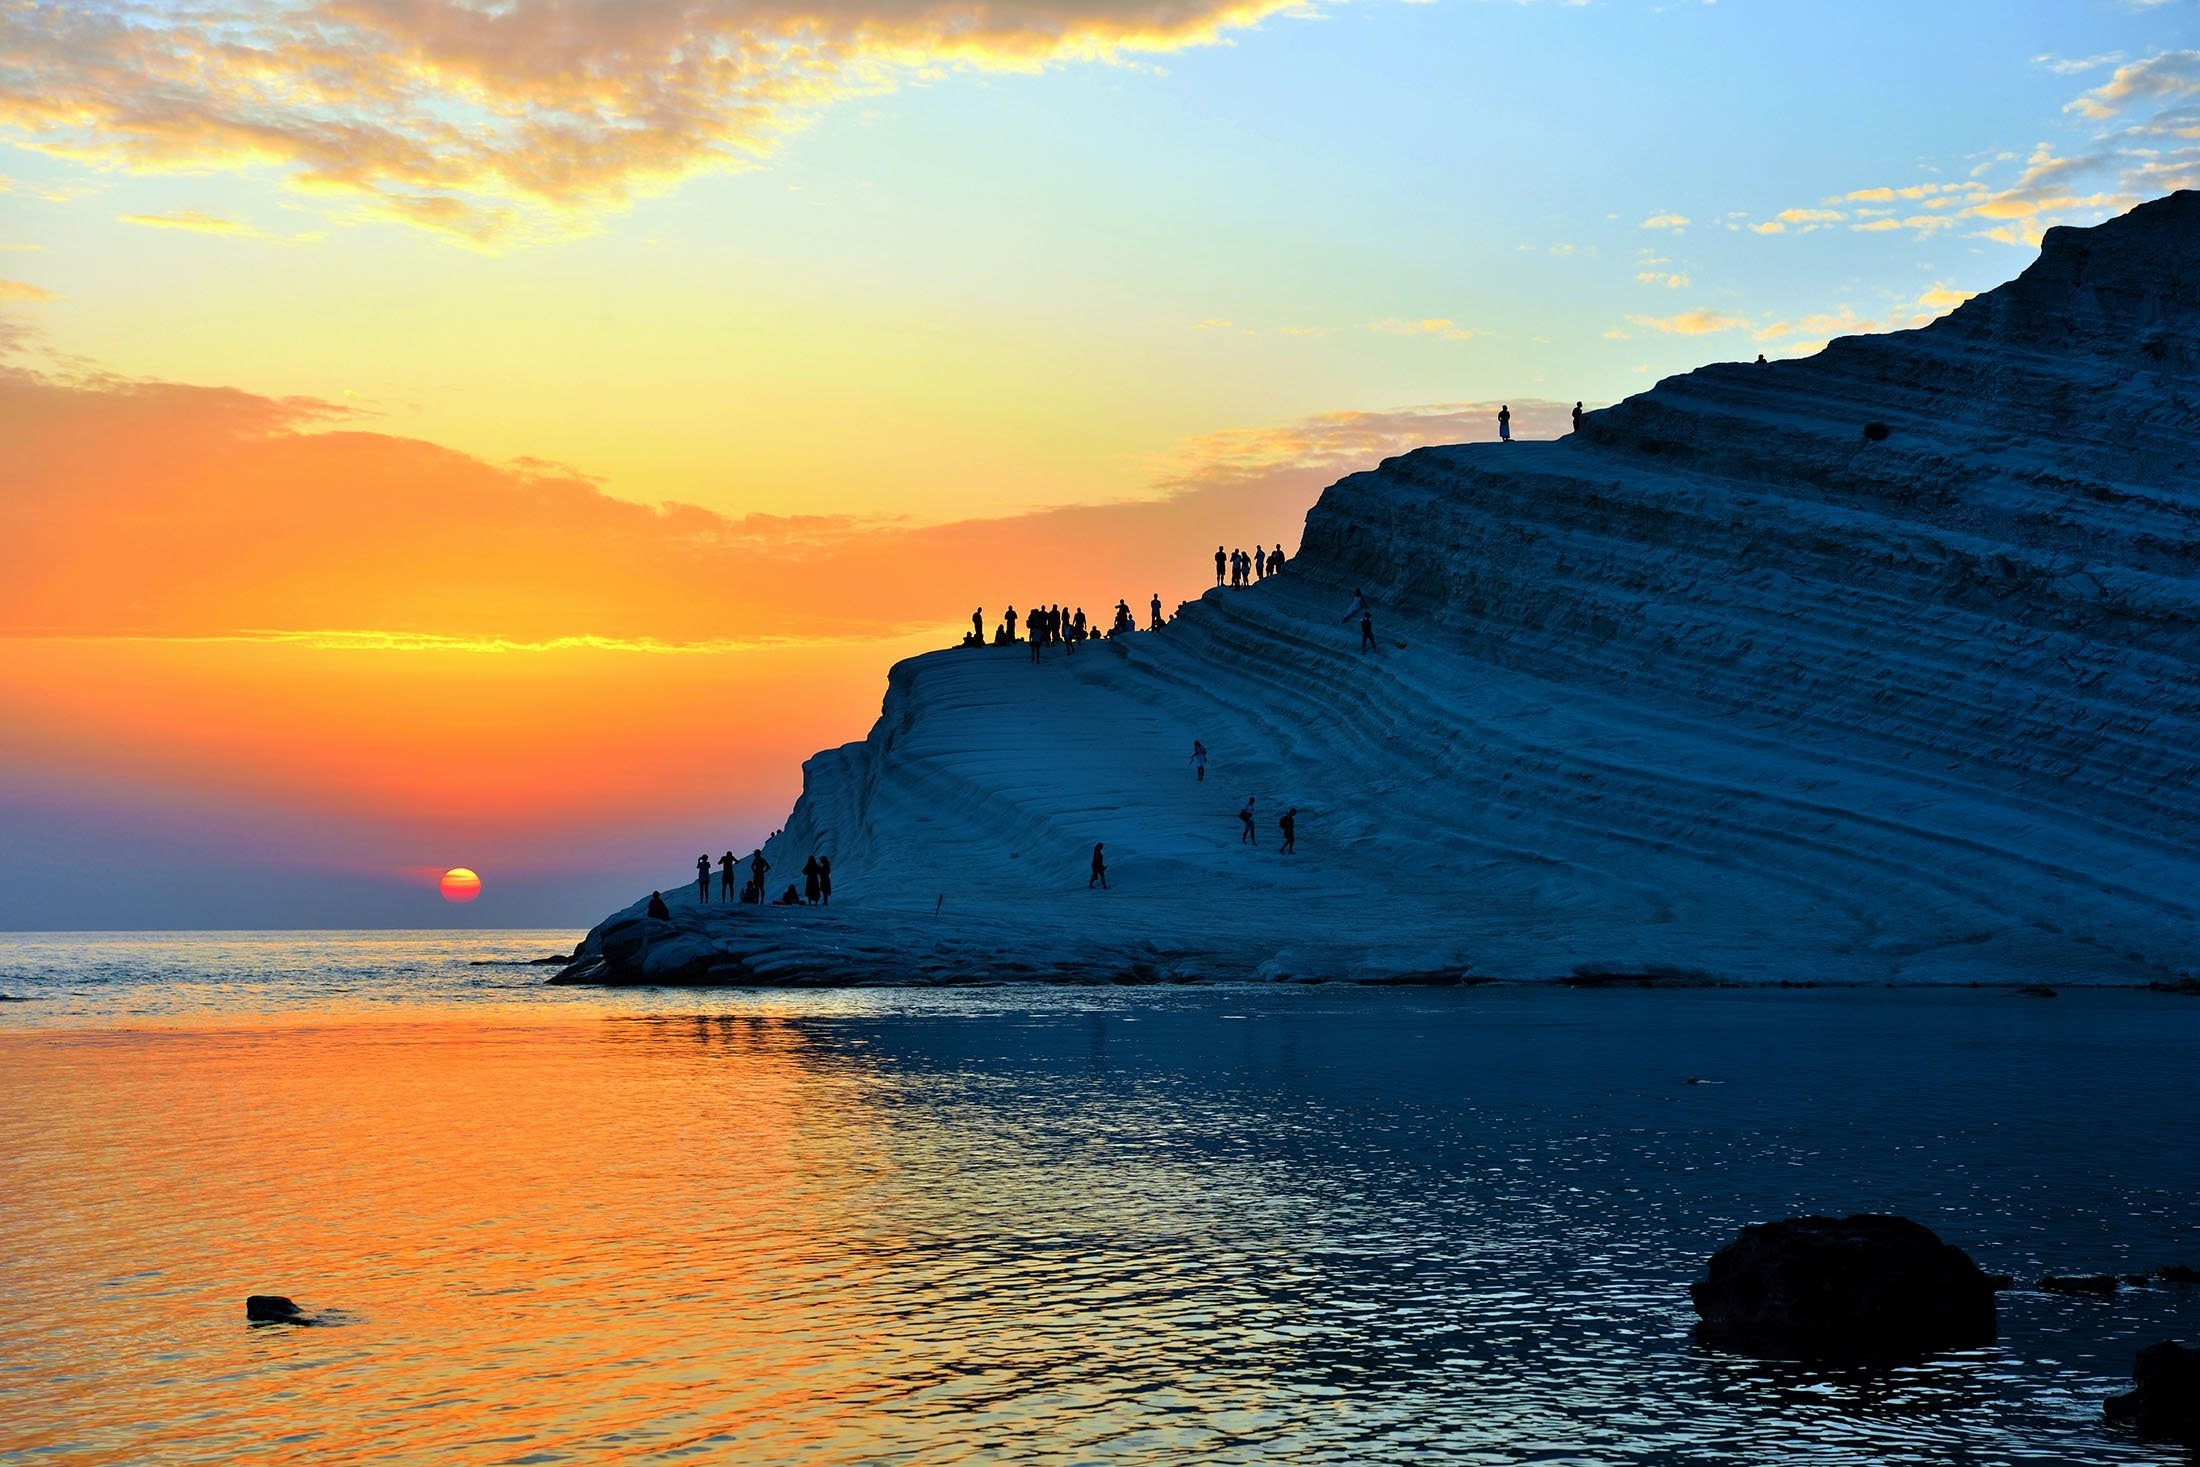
(459, 885)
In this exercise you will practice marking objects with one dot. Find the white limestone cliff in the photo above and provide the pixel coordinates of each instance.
(1720, 685)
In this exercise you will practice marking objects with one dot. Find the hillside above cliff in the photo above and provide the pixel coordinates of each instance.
(1881, 665)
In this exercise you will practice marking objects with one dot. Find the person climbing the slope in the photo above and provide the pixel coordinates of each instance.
(1248, 836)
(1504, 423)
(1359, 605)
(1099, 868)
(1219, 562)
(1367, 631)
(809, 881)
(824, 881)
(726, 865)
(702, 877)
(1199, 761)
(1288, 823)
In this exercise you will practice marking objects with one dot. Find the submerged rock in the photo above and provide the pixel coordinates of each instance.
(2164, 1402)
(273, 1309)
(2090, 1285)
(2178, 1273)
(1867, 1286)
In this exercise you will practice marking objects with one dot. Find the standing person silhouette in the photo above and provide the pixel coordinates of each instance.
(977, 623)
(702, 877)
(1247, 836)
(726, 864)
(809, 881)
(825, 881)
(1011, 623)
(757, 867)
(1289, 825)
(1260, 561)
(1099, 868)
(1275, 561)
(1155, 624)
(1504, 423)
(1367, 631)
(1199, 761)
(1220, 560)
(1577, 417)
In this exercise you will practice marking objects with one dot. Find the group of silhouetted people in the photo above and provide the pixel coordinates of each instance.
(1057, 626)
(1239, 569)
(1287, 824)
(816, 889)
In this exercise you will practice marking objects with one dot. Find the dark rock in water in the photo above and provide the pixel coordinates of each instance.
(2038, 990)
(2181, 985)
(2002, 1282)
(1867, 1286)
(13, 998)
(2089, 1285)
(2178, 1273)
(272, 1309)
(2164, 1404)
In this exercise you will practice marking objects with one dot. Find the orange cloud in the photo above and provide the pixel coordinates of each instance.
(17, 290)
(491, 123)
(1703, 321)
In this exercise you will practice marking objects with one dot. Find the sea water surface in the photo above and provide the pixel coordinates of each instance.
(1044, 1226)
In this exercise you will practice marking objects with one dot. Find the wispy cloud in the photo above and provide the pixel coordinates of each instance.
(1703, 321)
(521, 119)
(1440, 326)
(22, 292)
(1666, 221)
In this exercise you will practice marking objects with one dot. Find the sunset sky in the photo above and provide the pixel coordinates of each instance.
(514, 433)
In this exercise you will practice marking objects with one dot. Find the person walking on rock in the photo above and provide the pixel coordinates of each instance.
(1248, 836)
(726, 865)
(1199, 761)
(1367, 631)
(1504, 423)
(1220, 561)
(1289, 825)
(702, 877)
(824, 881)
(1099, 868)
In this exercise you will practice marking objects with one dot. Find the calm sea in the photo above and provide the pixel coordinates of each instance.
(1041, 1226)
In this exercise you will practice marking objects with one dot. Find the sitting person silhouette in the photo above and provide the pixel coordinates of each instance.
(657, 907)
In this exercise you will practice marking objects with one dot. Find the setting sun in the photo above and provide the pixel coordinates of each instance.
(459, 885)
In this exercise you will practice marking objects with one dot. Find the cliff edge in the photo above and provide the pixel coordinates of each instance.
(1881, 665)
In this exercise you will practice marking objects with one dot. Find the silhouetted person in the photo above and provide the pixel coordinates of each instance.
(1099, 869)
(1275, 561)
(1577, 417)
(1504, 423)
(1199, 761)
(726, 864)
(757, 867)
(1011, 623)
(1260, 563)
(1153, 623)
(1247, 836)
(1220, 561)
(1367, 631)
(789, 898)
(657, 907)
(1760, 359)
(1288, 823)
(1359, 605)
(1078, 621)
(977, 623)
(825, 880)
(702, 877)
(809, 881)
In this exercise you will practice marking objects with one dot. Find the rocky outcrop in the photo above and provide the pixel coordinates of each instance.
(273, 1309)
(1719, 685)
(2164, 1402)
(1863, 1286)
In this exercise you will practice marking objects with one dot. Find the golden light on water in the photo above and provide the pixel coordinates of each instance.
(459, 885)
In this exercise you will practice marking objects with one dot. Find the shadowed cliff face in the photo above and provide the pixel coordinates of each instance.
(1722, 684)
